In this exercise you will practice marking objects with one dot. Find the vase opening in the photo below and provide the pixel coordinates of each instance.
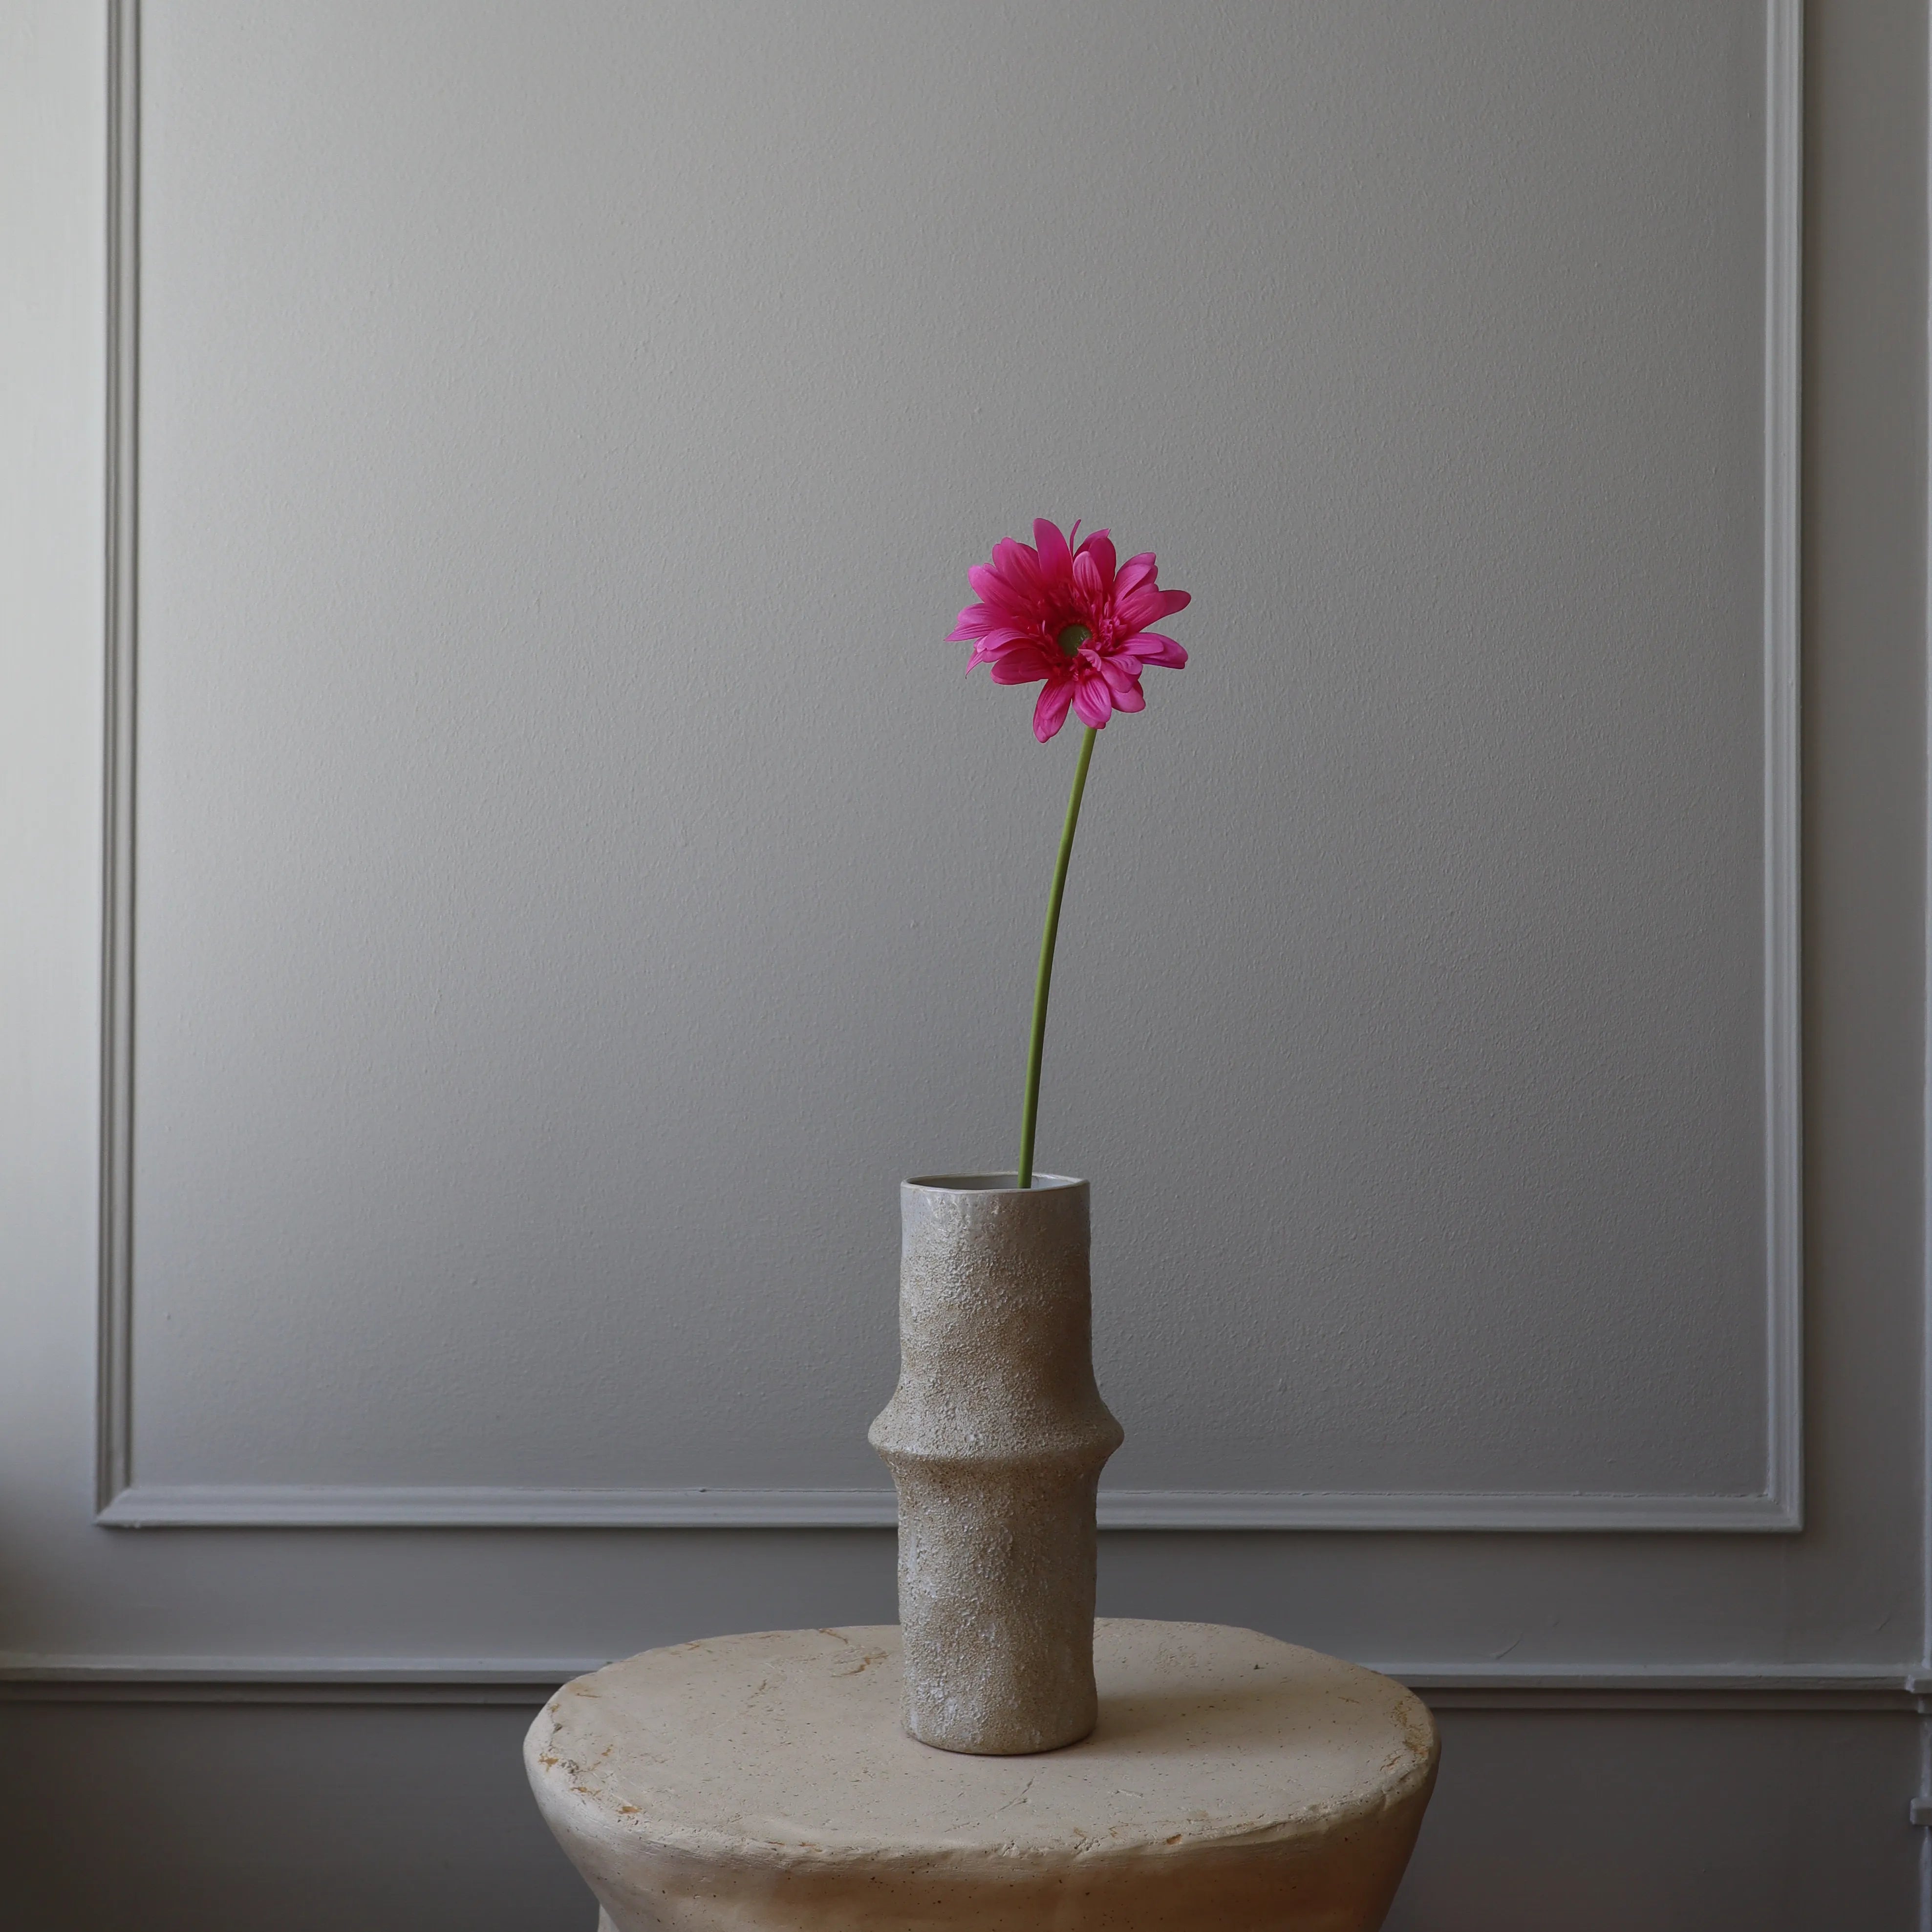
(1008, 1183)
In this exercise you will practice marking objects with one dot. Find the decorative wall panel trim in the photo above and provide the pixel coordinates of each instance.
(294, 1506)
(114, 1407)
(1784, 1169)
(527, 1682)
(124, 1502)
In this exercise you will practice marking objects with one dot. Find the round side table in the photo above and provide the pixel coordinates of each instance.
(753, 1783)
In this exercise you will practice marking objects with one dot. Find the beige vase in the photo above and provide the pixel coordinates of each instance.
(995, 1437)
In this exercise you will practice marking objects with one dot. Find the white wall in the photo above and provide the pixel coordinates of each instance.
(564, 881)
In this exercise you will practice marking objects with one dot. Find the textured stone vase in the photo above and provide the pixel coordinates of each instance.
(995, 1437)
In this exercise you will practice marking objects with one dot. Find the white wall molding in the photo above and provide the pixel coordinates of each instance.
(291, 1506)
(125, 1501)
(1784, 1161)
(54, 1679)
(48, 1679)
(115, 1404)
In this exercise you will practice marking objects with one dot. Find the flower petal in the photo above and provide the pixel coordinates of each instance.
(1001, 638)
(1019, 564)
(1023, 664)
(996, 593)
(1135, 572)
(1100, 548)
(1123, 682)
(1147, 605)
(1151, 648)
(975, 621)
(1056, 560)
(1092, 700)
(1050, 713)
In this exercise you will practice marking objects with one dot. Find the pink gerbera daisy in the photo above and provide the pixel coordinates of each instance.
(1048, 611)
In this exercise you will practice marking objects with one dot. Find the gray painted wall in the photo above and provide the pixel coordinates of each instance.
(571, 882)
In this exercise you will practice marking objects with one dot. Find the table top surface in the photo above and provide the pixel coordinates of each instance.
(787, 1744)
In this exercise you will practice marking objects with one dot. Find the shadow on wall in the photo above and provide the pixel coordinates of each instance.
(180, 1818)
(1648, 1821)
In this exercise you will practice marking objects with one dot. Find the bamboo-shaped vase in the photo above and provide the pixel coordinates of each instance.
(995, 1437)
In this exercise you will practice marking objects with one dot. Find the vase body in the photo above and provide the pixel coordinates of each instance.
(995, 1437)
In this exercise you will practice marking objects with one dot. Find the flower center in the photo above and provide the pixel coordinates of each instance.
(1072, 637)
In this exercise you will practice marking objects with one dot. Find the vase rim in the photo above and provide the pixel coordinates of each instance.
(1007, 1183)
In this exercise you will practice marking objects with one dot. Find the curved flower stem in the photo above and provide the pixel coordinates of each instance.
(1037, 1048)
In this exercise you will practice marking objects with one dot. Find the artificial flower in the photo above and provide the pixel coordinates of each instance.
(1072, 619)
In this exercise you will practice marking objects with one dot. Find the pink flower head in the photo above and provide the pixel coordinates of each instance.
(1070, 616)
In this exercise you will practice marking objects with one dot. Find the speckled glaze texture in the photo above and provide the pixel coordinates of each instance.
(761, 1784)
(995, 1437)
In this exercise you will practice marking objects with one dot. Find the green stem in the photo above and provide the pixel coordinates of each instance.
(1037, 1048)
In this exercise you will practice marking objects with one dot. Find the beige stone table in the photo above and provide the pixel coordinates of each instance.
(748, 1783)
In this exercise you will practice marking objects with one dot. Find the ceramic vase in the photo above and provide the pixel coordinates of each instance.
(995, 1437)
